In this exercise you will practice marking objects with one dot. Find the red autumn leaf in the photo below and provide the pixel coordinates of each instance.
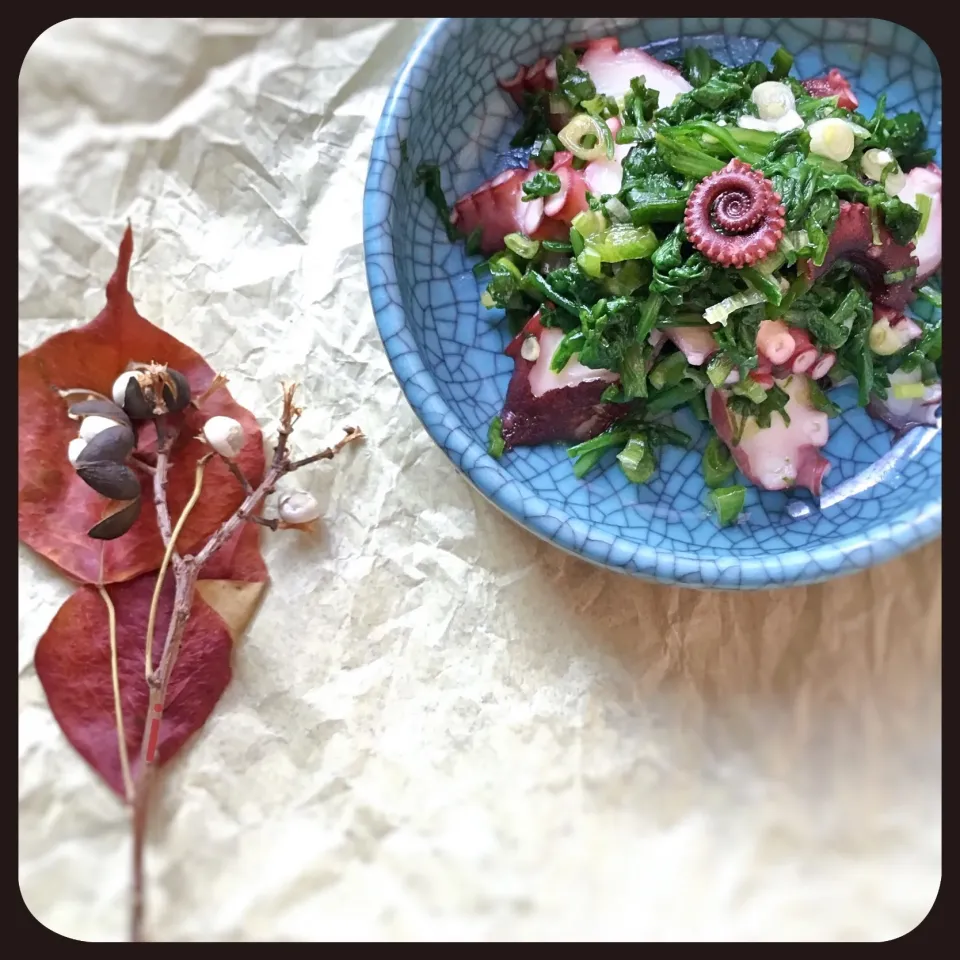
(238, 559)
(74, 666)
(234, 578)
(56, 508)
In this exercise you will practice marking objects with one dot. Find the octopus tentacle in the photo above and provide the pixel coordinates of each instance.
(852, 239)
(734, 216)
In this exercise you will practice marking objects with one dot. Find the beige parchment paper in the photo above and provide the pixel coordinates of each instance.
(439, 727)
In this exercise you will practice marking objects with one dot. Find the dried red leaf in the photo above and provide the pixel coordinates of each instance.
(56, 508)
(73, 663)
(238, 559)
(234, 579)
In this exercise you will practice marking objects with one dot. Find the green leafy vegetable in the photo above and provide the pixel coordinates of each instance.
(428, 176)
(541, 184)
(780, 64)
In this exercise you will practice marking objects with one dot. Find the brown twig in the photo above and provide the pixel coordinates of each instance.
(237, 472)
(186, 572)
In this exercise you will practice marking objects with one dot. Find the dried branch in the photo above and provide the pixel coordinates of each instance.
(186, 572)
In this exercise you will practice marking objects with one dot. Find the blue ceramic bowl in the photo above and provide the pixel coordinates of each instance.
(880, 499)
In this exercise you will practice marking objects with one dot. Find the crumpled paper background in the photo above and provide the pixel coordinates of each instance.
(439, 727)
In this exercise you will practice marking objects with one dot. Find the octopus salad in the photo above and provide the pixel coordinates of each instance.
(728, 240)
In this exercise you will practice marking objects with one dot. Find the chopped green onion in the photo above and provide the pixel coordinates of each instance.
(728, 502)
(576, 241)
(719, 312)
(637, 460)
(556, 246)
(669, 371)
(590, 262)
(522, 246)
(589, 223)
(495, 442)
(771, 263)
(718, 369)
(486, 300)
(615, 209)
(505, 263)
(909, 391)
(718, 465)
(924, 205)
(623, 241)
(749, 388)
(581, 126)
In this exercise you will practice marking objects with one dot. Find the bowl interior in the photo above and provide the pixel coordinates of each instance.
(447, 350)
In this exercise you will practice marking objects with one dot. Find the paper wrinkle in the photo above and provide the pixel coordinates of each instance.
(439, 726)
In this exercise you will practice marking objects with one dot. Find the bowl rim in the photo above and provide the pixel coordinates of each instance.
(882, 541)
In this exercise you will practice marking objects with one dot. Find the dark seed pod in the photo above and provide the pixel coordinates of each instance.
(140, 402)
(175, 404)
(116, 524)
(113, 480)
(100, 408)
(135, 403)
(115, 443)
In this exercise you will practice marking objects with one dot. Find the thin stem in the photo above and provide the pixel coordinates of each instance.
(352, 433)
(117, 703)
(151, 621)
(74, 391)
(234, 468)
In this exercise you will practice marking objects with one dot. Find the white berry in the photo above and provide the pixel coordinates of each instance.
(119, 389)
(298, 507)
(225, 435)
(874, 162)
(773, 99)
(831, 138)
(91, 426)
(74, 449)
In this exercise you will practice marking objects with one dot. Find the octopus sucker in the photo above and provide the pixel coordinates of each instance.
(734, 217)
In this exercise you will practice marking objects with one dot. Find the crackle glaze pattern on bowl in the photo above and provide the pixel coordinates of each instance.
(880, 499)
